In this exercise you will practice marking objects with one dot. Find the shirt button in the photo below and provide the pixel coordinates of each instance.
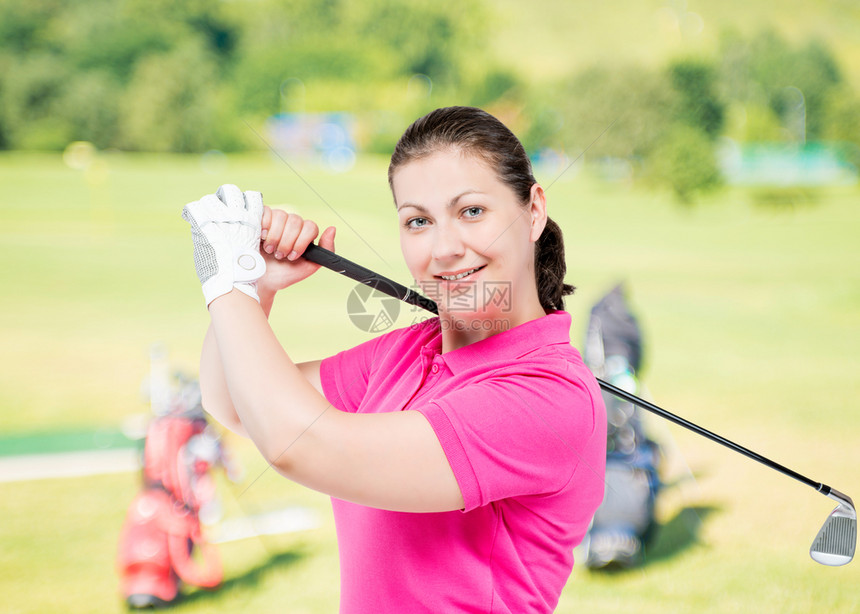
(435, 368)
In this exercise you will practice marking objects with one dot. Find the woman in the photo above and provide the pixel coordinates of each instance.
(464, 455)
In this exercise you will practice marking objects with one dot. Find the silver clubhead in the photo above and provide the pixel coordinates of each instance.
(835, 543)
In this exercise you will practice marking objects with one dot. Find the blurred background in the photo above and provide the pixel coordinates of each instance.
(704, 153)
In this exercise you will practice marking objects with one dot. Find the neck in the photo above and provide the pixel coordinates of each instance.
(459, 331)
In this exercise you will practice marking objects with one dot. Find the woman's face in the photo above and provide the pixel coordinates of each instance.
(466, 238)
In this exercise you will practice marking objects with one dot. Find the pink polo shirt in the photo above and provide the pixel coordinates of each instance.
(522, 423)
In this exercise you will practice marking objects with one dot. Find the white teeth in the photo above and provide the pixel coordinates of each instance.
(456, 277)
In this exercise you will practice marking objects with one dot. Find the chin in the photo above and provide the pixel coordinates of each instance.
(475, 296)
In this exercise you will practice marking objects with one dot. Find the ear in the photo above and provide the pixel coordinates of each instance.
(537, 212)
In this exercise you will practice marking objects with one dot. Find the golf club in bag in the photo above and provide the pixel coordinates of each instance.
(625, 522)
(836, 540)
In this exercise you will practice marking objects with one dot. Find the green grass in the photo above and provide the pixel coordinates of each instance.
(752, 322)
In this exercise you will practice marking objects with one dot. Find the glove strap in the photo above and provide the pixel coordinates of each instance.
(248, 265)
(242, 271)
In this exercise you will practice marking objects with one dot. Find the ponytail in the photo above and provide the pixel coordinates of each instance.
(550, 268)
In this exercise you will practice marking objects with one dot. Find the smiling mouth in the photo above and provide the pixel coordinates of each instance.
(460, 276)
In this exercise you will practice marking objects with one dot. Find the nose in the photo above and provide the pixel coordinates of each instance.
(447, 244)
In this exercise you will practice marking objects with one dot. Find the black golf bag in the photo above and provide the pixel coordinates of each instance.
(624, 522)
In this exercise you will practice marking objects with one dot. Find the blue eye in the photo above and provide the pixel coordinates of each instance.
(409, 223)
(473, 211)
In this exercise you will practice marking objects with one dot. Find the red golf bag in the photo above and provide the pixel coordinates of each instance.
(161, 543)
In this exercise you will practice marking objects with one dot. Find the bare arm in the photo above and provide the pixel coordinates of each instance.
(213, 384)
(389, 460)
(281, 232)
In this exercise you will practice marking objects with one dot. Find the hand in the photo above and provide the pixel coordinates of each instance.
(225, 230)
(285, 238)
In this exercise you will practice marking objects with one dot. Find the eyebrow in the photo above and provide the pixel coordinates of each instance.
(451, 203)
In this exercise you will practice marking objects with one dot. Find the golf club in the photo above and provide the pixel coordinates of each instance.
(836, 541)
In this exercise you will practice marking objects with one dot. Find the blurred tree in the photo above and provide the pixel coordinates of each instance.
(842, 124)
(430, 37)
(91, 70)
(684, 161)
(495, 84)
(30, 114)
(99, 35)
(663, 122)
(169, 104)
(263, 73)
(754, 123)
(698, 103)
(209, 22)
(368, 44)
(90, 103)
(26, 26)
(6, 62)
(613, 111)
(69, 63)
(765, 69)
(545, 128)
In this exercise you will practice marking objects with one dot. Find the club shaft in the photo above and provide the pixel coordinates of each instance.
(631, 398)
(346, 267)
(350, 269)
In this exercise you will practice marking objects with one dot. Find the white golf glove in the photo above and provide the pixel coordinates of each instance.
(225, 229)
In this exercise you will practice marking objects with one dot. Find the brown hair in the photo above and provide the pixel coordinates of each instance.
(478, 133)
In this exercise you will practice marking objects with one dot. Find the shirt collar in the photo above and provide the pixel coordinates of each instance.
(511, 344)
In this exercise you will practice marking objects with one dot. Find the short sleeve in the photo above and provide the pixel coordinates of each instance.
(345, 375)
(517, 434)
